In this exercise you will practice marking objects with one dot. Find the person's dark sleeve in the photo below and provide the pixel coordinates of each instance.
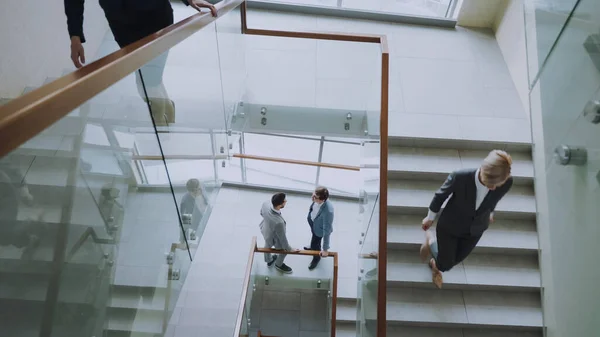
(507, 185)
(185, 2)
(443, 193)
(74, 12)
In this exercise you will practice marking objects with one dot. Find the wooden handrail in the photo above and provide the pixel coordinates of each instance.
(178, 157)
(26, 116)
(297, 162)
(245, 285)
(346, 37)
(295, 252)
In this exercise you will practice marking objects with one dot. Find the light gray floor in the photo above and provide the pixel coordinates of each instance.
(213, 287)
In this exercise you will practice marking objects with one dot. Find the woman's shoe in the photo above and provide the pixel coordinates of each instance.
(436, 275)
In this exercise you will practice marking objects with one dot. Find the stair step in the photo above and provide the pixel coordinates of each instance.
(135, 298)
(477, 272)
(415, 331)
(50, 169)
(33, 288)
(345, 329)
(11, 256)
(414, 197)
(503, 236)
(434, 164)
(147, 276)
(458, 144)
(463, 309)
(140, 321)
(346, 310)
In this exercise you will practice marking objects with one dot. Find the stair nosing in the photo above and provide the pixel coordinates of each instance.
(459, 143)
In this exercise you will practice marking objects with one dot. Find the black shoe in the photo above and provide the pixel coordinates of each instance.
(307, 248)
(272, 261)
(313, 265)
(284, 268)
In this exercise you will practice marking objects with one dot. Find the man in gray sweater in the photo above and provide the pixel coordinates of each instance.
(273, 229)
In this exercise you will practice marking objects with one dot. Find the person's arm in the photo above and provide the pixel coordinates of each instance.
(441, 195)
(282, 238)
(505, 188)
(74, 12)
(327, 228)
(199, 4)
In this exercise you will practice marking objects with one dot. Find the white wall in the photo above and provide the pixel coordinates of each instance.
(35, 42)
(506, 19)
(509, 26)
(478, 13)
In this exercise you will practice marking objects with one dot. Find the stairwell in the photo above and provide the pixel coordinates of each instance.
(496, 290)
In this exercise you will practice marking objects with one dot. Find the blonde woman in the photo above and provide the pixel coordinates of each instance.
(474, 196)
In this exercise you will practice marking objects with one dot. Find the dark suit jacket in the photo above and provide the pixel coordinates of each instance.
(460, 217)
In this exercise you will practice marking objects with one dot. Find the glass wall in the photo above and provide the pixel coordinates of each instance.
(424, 8)
(279, 305)
(544, 21)
(82, 251)
(565, 117)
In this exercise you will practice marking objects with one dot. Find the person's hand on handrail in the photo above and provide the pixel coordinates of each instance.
(199, 4)
(77, 52)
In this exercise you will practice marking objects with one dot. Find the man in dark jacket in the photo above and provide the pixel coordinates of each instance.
(130, 21)
(475, 194)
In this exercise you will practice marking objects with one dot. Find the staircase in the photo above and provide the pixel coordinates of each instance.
(495, 291)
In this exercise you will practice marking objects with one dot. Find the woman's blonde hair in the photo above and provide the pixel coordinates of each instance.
(496, 167)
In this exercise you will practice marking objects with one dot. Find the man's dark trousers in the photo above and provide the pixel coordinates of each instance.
(315, 244)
